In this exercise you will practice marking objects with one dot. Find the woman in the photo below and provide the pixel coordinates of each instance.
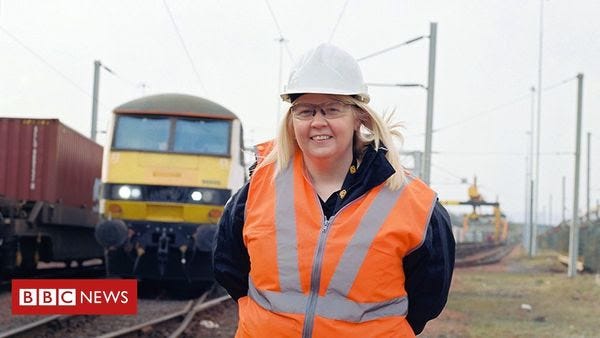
(331, 237)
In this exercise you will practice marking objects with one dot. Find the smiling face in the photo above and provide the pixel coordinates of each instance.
(321, 139)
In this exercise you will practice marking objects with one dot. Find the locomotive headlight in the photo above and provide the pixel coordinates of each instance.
(209, 196)
(127, 192)
(136, 192)
(205, 196)
(196, 195)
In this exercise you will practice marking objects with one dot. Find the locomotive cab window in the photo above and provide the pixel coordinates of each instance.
(142, 133)
(170, 134)
(202, 137)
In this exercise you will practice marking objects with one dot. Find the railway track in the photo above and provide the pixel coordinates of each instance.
(93, 271)
(96, 271)
(179, 320)
(24, 329)
(159, 318)
(473, 255)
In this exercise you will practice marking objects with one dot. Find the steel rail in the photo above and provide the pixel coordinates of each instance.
(31, 326)
(188, 312)
(137, 327)
(198, 308)
(483, 257)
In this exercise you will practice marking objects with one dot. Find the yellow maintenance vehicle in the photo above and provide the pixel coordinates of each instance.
(477, 226)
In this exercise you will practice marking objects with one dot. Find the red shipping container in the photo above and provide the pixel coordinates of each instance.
(44, 160)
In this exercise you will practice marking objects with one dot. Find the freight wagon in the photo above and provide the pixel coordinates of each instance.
(47, 176)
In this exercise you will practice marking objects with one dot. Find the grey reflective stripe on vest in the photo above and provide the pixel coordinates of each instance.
(335, 304)
(289, 302)
(433, 202)
(356, 251)
(331, 306)
(285, 220)
(336, 307)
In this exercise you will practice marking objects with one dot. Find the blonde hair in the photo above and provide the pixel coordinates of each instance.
(374, 130)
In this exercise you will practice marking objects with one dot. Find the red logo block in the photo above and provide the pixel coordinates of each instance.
(74, 296)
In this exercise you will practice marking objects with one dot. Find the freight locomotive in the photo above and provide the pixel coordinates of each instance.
(47, 214)
(171, 164)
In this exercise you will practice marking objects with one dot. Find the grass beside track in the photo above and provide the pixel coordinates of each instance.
(494, 301)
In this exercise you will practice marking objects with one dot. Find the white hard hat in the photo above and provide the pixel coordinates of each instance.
(326, 70)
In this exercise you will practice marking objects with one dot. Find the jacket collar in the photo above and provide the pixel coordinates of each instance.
(374, 169)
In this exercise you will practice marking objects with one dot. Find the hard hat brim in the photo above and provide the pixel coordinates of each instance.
(287, 96)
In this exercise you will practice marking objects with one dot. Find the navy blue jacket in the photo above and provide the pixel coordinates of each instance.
(428, 269)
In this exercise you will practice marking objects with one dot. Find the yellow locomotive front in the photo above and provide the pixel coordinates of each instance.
(172, 163)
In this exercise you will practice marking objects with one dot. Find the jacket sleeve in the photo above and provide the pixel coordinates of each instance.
(231, 263)
(428, 271)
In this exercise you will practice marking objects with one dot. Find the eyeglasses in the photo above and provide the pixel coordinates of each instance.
(330, 110)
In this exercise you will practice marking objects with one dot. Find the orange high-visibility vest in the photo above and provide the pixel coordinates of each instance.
(263, 149)
(341, 277)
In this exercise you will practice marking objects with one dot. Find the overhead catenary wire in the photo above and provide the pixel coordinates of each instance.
(505, 153)
(448, 172)
(482, 187)
(480, 153)
(60, 73)
(45, 62)
(483, 113)
(338, 21)
(461, 179)
(120, 77)
(52, 67)
(501, 106)
(185, 49)
(392, 47)
(281, 37)
(56, 70)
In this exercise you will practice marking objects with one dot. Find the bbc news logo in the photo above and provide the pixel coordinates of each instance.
(48, 297)
(74, 296)
(68, 297)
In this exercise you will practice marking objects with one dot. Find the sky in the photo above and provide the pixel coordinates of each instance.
(229, 52)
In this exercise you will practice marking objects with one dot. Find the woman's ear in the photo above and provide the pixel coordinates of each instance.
(365, 119)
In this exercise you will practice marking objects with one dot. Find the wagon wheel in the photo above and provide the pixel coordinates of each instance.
(29, 254)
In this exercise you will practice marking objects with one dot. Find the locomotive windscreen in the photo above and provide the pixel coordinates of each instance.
(172, 134)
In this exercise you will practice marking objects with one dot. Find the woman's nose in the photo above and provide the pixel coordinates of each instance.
(319, 117)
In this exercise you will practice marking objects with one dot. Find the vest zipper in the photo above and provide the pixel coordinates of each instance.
(326, 224)
(315, 276)
(315, 280)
